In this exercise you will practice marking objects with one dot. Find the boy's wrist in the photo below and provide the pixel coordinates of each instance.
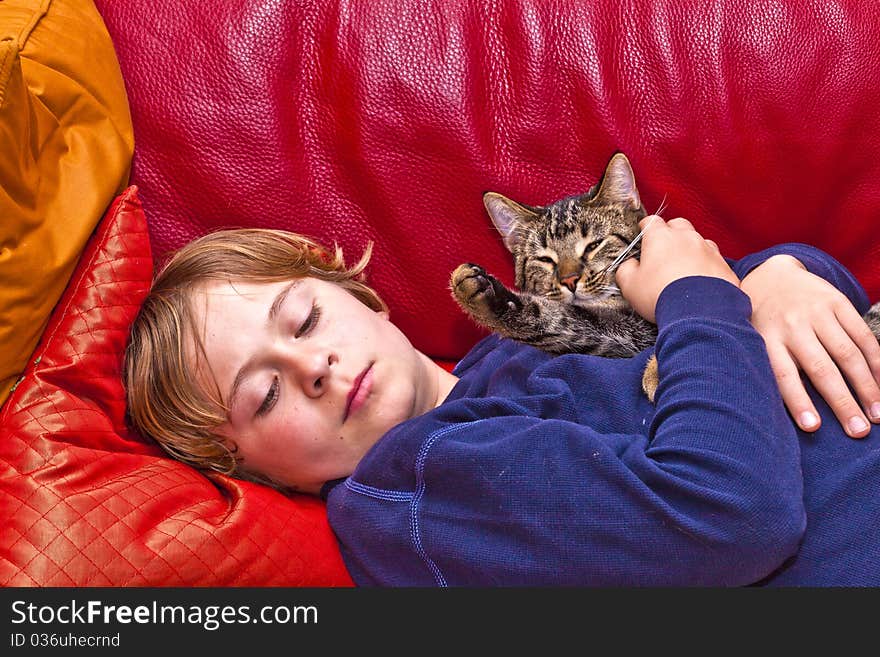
(764, 277)
(702, 297)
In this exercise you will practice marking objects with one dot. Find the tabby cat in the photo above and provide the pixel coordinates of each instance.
(565, 257)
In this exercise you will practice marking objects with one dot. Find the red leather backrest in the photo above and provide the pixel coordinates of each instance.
(357, 121)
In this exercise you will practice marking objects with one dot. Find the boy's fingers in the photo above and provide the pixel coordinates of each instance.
(825, 376)
(626, 271)
(796, 399)
(652, 220)
(854, 324)
(680, 223)
(851, 361)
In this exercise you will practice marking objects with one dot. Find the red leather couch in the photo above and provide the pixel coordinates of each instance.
(385, 122)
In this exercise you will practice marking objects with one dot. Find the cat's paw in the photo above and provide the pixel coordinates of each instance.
(481, 293)
(469, 281)
(650, 379)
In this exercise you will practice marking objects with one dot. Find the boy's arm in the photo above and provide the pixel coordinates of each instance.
(708, 491)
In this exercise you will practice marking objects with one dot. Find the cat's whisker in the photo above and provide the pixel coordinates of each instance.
(662, 207)
(608, 291)
(622, 255)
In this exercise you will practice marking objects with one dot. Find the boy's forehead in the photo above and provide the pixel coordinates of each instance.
(231, 287)
(217, 305)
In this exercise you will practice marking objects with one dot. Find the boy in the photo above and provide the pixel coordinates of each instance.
(260, 355)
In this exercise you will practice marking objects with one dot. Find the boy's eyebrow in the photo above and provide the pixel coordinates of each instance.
(279, 300)
(271, 315)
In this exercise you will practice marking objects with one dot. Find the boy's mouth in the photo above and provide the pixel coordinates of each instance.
(359, 392)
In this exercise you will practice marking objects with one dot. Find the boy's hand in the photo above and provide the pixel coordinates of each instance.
(807, 324)
(670, 250)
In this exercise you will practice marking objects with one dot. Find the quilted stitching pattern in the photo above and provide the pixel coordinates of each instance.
(86, 502)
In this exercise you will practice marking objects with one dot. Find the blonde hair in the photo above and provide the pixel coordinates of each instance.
(165, 403)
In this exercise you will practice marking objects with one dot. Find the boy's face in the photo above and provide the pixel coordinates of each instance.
(312, 377)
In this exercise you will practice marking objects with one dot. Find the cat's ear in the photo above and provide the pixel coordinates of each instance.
(618, 184)
(508, 216)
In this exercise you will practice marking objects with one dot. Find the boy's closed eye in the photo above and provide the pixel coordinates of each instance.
(270, 398)
(310, 321)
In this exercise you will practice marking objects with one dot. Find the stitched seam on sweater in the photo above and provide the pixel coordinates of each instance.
(420, 492)
(378, 493)
(711, 322)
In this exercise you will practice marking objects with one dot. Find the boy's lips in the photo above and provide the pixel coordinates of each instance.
(359, 392)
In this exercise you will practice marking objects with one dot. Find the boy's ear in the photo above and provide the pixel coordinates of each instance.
(383, 314)
(508, 216)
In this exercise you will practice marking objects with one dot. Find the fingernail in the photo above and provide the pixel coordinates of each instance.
(874, 411)
(857, 425)
(808, 420)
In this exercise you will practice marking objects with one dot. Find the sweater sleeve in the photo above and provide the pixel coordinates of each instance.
(817, 262)
(709, 493)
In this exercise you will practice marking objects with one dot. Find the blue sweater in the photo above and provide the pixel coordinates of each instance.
(541, 470)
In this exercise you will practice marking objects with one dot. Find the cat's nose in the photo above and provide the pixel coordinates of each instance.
(570, 281)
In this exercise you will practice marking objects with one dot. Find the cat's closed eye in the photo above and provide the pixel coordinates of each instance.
(592, 246)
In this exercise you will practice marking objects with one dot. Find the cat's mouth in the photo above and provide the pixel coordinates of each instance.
(604, 293)
(596, 287)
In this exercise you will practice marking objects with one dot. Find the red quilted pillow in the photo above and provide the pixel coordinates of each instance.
(86, 502)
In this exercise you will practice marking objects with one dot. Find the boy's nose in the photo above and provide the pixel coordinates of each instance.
(311, 370)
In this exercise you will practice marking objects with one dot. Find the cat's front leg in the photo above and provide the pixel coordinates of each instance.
(482, 296)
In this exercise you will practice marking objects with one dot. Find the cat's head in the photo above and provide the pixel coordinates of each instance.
(562, 250)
